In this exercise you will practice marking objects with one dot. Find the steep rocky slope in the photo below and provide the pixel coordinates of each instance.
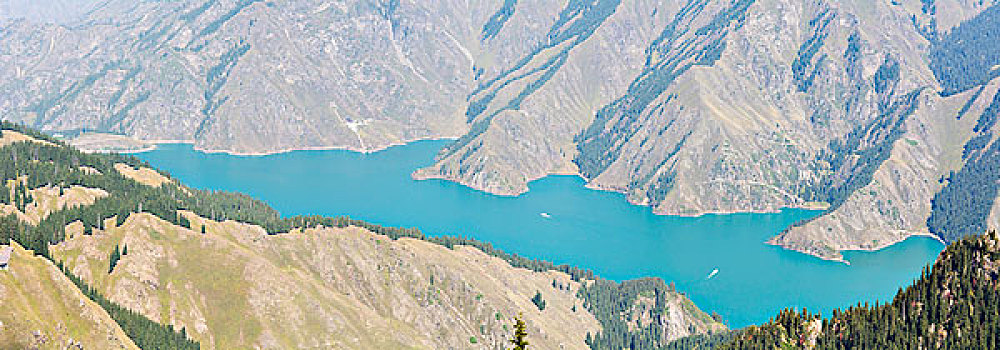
(897, 202)
(749, 106)
(689, 107)
(524, 115)
(42, 309)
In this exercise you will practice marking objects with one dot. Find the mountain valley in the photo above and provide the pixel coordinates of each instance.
(123, 237)
(871, 124)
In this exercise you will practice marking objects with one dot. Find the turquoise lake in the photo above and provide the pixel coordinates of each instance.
(591, 229)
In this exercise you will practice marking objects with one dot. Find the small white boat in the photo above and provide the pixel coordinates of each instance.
(713, 273)
(545, 215)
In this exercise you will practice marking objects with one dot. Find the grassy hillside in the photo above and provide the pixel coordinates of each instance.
(42, 309)
(237, 287)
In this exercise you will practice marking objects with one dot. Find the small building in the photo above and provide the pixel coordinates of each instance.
(5, 251)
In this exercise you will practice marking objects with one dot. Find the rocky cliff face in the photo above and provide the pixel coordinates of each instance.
(690, 107)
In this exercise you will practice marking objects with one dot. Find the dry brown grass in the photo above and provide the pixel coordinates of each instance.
(9, 136)
(145, 176)
(237, 287)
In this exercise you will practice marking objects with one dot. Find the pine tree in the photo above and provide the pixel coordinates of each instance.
(115, 256)
(520, 340)
(539, 302)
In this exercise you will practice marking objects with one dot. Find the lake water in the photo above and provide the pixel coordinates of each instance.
(592, 229)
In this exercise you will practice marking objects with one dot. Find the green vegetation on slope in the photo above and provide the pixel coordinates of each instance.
(968, 55)
(496, 22)
(849, 164)
(617, 333)
(520, 334)
(8, 226)
(808, 49)
(666, 59)
(115, 256)
(954, 305)
(144, 332)
(962, 207)
(702, 341)
(42, 309)
(618, 307)
(214, 26)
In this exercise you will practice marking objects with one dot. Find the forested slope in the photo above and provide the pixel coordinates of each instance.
(955, 304)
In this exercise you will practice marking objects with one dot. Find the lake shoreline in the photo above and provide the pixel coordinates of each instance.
(417, 175)
(596, 230)
(308, 148)
(840, 257)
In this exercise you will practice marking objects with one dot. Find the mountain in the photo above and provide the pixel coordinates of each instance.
(690, 107)
(952, 306)
(167, 266)
(50, 11)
